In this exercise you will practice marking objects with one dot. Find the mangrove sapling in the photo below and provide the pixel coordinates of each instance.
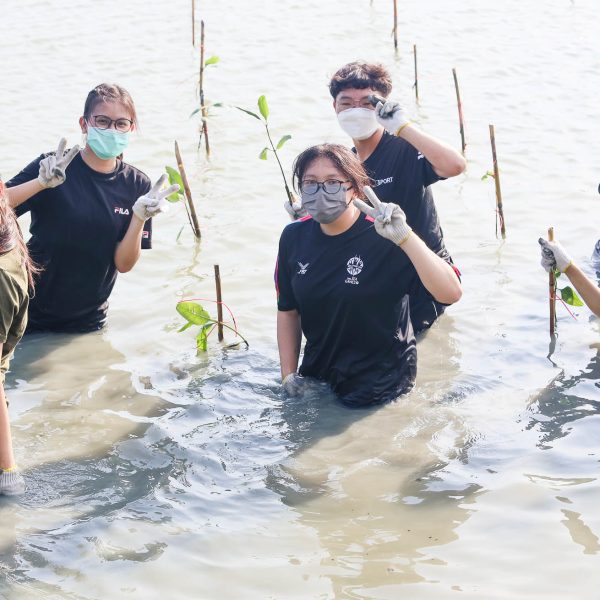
(496, 176)
(263, 107)
(195, 314)
(460, 112)
(219, 303)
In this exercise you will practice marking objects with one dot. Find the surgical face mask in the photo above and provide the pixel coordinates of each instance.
(358, 123)
(325, 208)
(107, 143)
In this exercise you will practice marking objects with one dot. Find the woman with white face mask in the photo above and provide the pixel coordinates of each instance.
(90, 215)
(342, 278)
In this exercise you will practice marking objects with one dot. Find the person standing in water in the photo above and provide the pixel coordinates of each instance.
(342, 278)
(90, 215)
(16, 270)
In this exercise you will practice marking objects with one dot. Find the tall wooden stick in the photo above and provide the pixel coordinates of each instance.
(395, 25)
(416, 84)
(203, 110)
(219, 304)
(194, 23)
(552, 289)
(499, 208)
(187, 193)
(460, 112)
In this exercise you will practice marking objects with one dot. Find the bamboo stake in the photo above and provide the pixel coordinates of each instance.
(460, 112)
(552, 289)
(187, 192)
(416, 84)
(201, 74)
(395, 25)
(497, 184)
(219, 304)
(194, 23)
(204, 112)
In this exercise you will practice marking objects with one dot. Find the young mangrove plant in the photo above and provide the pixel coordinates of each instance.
(196, 315)
(263, 108)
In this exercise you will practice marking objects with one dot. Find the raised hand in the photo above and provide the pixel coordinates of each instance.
(391, 116)
(53, 168)
(154, 202)
(389, 219)
(295, 209)
(554, 256)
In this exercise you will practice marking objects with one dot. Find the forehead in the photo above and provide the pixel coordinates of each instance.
(355, 94)
(114, 110)
(321, 167)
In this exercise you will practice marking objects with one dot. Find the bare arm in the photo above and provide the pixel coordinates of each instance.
(129, 248)
(446, 161)
(587, 288)
(436, 274)
(21, 193)
(289, 337)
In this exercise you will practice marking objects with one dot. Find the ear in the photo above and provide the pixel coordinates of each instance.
(83, 124)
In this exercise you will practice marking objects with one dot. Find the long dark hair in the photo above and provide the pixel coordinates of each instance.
(11, 236)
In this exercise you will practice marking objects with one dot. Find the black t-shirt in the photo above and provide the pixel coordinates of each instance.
(350, 291)
(401, 174)
(75, 228)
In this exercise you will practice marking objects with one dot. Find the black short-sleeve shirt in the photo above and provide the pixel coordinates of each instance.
(75, 229)
(350, 291)
(401, 174)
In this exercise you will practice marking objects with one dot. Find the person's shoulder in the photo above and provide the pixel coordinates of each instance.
(296, 228)
(135, 175)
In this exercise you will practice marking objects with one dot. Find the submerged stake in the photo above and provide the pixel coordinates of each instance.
(460, 112)
(204, 112)
(194, 23)
(416, 84)
(395, 30)
(219, 304)
(552, 289)
(497, 184)
(187, 193)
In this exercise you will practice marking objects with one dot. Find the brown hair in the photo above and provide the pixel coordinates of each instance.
(344, 160)
(11, 236)
(361, 75)
(109, 92)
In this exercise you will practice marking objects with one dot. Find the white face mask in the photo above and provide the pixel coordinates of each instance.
(358, 123)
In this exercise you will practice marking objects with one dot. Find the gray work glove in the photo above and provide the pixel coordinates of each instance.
(389, 218)
(154, 202)
(596, 256)
(391, 116)
(293, 384)
(11, 483)
(554, 256)
(295, 209)
(53, 168)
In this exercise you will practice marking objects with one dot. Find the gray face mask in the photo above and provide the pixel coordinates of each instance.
(325, 208)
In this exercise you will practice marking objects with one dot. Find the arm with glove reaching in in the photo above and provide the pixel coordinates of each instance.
(446, 161)
(289, 339)
(53, 172)
(390, 222)
(145, 207)
(554, 256)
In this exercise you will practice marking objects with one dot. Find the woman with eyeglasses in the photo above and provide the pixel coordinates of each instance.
(90, 215)
(342, 280)
(16, 270)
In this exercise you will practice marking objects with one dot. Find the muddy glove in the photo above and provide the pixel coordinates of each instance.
(391, 116)
(293, 384)
(554, 256)
(11, 482)
(295, 209)
(389, 218)
(154, 201)
(596, 256)
(53, 168)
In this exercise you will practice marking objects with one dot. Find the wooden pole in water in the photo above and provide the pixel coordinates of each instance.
(497, 184)
(395, 30)
(187, 192)
(219, 304)
(460, 112)
(552, 289)
(203, 111)
(194, 23)
(416, 84)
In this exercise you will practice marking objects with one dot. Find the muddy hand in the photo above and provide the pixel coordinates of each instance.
(154, 202)
(53, 168)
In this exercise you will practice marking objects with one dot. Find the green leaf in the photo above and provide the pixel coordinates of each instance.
(263, 107)
(570, 297)
(487, 174)
(248, 112)
(202, 341)
(186, 326)
(194, 112)
(193, 312)
(282, 141)
(557, 273)
(175, 177)
(263, 155)
(213, 60)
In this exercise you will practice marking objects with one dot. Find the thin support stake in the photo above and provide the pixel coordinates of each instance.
(203, 110)
(395, 30)
(460, 112)
(552, 289)
(194, 23)
(187, 192)
(219, 304)
(416, 84)
(499, 208)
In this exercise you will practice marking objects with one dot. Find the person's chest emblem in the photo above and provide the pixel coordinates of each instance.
(302, 268)
(121, 211)
(354, 266)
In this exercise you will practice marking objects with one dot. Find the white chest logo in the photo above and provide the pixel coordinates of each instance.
(303, 268)
(121, 211)
(354, 266)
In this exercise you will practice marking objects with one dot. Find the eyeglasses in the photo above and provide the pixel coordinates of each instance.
(103, 122)
(347, 103)
(330, 186)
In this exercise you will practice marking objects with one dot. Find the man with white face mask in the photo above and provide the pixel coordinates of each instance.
(401, 160)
